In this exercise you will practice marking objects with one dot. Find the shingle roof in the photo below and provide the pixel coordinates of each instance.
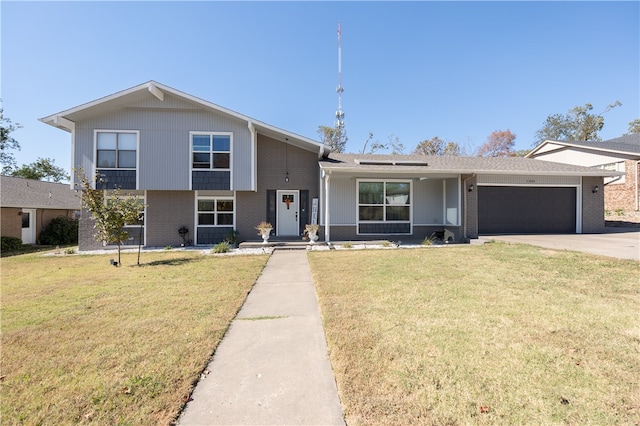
(627, 144)
(66, 120)
(411, 164)
(35, 194)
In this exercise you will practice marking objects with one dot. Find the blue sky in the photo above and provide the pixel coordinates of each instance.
(414, 70)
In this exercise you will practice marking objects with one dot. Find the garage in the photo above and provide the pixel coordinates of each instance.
(526, 210)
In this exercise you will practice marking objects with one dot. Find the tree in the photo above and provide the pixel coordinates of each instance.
(437, 146)
(577, 125)
(499, 144)
(110, 214)
(393, 144)
(7, 142)
(334, 137)
(634, 126)
(42, 169)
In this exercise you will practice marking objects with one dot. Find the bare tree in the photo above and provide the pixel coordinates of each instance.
(499, 144)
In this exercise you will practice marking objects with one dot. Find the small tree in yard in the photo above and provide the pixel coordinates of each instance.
(110, 215)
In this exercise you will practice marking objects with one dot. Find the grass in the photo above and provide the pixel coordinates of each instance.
(84, 342)
(496, 334)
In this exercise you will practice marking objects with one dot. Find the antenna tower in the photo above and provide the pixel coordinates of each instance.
(339, 123)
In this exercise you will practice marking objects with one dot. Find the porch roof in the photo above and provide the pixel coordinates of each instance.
(421, 165)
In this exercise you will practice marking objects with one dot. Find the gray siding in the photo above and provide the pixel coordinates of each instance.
(452, 207)
(427, 197)
(164, 150)
(342, 200)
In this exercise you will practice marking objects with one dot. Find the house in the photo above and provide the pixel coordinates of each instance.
(28, 206)
(620, 154)
(202, 171)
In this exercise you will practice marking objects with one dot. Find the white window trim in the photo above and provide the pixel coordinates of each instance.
(214, 198)
(95, 154)
(211, 169)
(143, 197)
(384, 181)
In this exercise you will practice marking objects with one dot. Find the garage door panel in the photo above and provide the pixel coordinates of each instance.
(531, 210)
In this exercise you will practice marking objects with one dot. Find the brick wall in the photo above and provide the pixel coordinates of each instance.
(11, 222)
(471, 208)
(592, 205)
(166, 212)
(623, 195)
(86, 230)
(275, 158)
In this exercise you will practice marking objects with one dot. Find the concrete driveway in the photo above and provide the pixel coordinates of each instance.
(623, 243)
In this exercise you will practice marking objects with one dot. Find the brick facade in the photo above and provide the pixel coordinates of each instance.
(167, 212)
(592, 205)
(622, 196)
(470, 207)
(12, 220)
(276, 158)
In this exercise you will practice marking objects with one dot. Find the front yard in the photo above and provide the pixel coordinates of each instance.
(493, 334)
(84, 342)
(497, 334)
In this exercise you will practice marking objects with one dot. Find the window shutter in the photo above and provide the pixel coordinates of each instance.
(271, 208)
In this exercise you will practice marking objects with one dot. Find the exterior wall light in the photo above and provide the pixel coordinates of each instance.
(595, 189)
(471, 188)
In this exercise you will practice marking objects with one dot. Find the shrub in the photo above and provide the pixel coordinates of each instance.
(11, 243)
(232, 237)
(222, 247)
(60, 231)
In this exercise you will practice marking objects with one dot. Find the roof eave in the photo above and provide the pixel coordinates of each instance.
(427, 171)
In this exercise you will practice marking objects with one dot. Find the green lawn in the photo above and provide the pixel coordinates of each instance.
(493, 334)
(83, 341)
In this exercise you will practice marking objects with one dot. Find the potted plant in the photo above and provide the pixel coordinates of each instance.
(264, 230)
(312, 232)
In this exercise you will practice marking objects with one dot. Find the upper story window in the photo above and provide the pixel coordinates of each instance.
(211, 151)
(384, 201)
(116, 150)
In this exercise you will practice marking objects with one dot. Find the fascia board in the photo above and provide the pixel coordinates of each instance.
(356, 170)
(579, 146)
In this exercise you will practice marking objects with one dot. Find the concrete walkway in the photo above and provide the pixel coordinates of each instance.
(272, 366)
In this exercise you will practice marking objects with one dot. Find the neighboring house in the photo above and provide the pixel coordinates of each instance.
(199, 166)
(620, 154)
(29, 205)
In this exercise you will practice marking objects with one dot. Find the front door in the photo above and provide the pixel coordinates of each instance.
(28, 226)
(287, 213)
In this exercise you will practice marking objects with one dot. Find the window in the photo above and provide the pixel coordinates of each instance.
(384, 201)
(215, 212)
(135, 228)
(211, 150)
(116, 150)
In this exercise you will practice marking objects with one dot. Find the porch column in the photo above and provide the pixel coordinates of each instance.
(327, 231)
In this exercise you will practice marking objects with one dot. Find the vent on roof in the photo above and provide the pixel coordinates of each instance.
(390, 162)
